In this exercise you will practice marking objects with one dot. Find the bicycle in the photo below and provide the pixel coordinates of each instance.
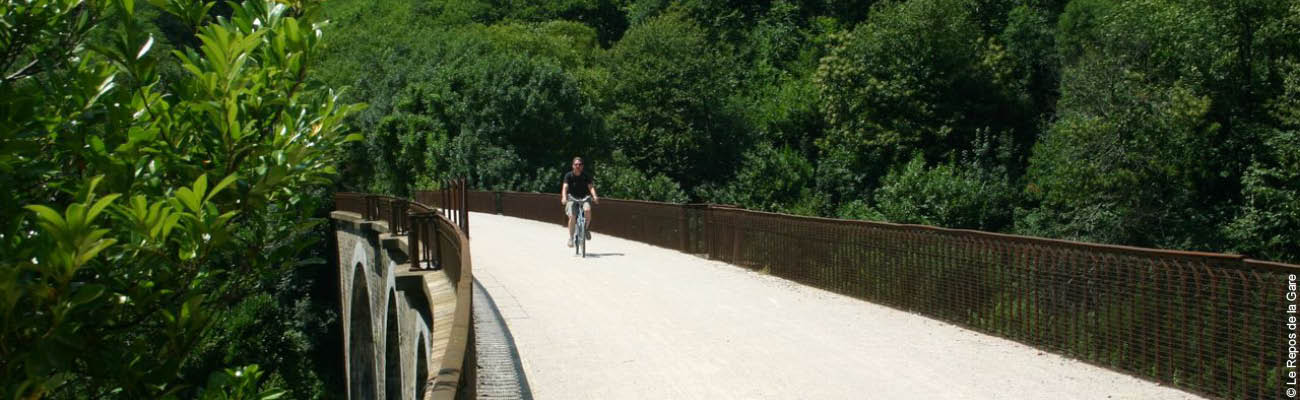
(579, 225)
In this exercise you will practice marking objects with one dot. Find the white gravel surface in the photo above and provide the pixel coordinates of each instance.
(634, 321)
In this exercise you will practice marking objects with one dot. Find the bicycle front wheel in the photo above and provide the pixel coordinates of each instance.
(580, 237)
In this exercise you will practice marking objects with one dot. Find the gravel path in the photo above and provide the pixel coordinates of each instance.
(634, 321)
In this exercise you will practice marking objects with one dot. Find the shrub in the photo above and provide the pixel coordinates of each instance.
(151, 206)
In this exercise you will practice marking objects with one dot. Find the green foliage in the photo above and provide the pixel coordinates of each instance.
(1160, 120)
(494, 119)
(602, 15)
(492, 103)
(1078, 27)
(1123, 156)
(238, 384)
(408, 140)
(770, 179)
(1268, 225)
(149, 204)
(622, 181)
(1146, 122)
(672, 85)
(775, 98)
(916, 77)
(1034, 74)
(568, 44)
(945, 195)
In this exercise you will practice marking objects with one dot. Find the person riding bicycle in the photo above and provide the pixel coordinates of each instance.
(582, 184)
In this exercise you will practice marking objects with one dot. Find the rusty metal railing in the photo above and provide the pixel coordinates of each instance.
(418, 219)
(398, 216)
(1204, 322)
(423, 244)
(451, 199)
(659, 224)
(371, 211)
(480, 201)
(427, 197)
(545, 207)
(350, 202)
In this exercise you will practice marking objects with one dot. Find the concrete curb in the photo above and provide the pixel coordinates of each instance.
(500, 373)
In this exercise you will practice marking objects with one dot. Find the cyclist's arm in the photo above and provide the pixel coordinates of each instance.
(564, 193)
(592, 187)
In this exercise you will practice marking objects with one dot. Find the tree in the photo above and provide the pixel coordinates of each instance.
(670, 87)
(487, 109)
(617, 179)
(1268, 224)
(945, 195)
(769, 179)
(1122, 161)
(604, 15)
(409, 144)
(149, 206)
(1162, 118)
(917, 77)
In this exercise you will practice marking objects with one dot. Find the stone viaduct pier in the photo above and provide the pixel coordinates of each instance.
(405, 279)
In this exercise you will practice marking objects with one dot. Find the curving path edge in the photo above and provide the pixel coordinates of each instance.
(500, 374)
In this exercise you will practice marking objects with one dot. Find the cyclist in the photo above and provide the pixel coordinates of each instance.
(582, 184)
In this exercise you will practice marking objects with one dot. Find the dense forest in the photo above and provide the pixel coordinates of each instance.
(1172, 124)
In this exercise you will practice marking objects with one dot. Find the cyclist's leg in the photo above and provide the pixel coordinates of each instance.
(568, 210)
(586, 210)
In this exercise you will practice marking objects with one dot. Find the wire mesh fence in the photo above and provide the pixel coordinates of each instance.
(1208, 323)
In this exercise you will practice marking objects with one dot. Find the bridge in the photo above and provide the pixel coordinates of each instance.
(703, 301)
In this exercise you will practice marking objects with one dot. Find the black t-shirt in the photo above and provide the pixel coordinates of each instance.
(579, 185)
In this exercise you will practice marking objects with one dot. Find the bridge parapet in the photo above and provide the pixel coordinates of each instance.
(1203, 322)
(405, 276)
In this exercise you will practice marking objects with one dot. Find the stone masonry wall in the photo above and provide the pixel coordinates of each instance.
(371, 300)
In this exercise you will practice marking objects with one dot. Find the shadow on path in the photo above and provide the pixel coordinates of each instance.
(500, 370)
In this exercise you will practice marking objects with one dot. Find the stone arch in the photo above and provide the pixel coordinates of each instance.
(361, 363)
(392, 351)
(421, 366)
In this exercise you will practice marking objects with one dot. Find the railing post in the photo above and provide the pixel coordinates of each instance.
(707, 228)
(397, 213)
(455, 202)
(735, 239)
(464, 208)
(442, 196)
(413, 240)
(371, 206)
(422, 241)
(437, 243)
(685, 233)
